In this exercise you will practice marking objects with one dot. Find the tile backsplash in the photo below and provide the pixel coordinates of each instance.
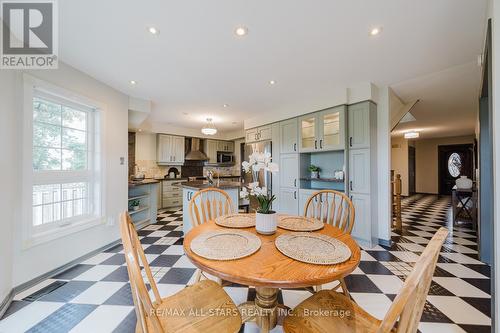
(223, 171)
(152, 170)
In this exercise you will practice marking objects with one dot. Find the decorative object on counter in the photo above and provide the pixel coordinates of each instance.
(134, 204)
(137, 174)
(265, 218)
(314, 171)
(338, 174)
(464, 183)
(236, 221)
(299, 223)
(173, 173)
(313, 248)
(225, 244)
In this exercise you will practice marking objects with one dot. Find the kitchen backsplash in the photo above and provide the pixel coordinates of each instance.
(223, 171)
(152, 170)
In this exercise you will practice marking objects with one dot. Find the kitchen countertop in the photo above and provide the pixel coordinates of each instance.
(197, 178)
(199, 185)
(147, 181)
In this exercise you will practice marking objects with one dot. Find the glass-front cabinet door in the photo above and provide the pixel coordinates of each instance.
(307, 132)
(331, 125)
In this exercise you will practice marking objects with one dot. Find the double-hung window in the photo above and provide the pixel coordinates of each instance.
(66, 187)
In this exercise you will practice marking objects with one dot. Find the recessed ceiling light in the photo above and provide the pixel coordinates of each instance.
(153, 31)
(225, 105)
(241, 31)
(272, 82)
(375, 31)
(140, 129)
(133, 82)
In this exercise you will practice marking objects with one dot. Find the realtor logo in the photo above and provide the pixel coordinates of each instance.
(29, 34)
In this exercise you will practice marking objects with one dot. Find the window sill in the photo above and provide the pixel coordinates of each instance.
(61, 231)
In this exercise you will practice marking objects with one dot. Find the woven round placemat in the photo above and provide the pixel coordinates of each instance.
(225, 244)
(236, 221)
(299, 223)
(313, 248)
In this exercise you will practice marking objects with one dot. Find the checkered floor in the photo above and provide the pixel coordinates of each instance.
(95, 295)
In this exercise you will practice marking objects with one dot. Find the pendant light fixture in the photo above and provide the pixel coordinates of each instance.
(209, 128)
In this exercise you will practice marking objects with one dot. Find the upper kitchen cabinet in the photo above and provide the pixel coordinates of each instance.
(210, 147)
(332, 129)
(170, 149)
(322, 131)
(258, 134)
(225, 146)
(359, 125)
(288, 136)
(308, 133)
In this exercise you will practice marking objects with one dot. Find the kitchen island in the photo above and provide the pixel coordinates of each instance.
(189, 189)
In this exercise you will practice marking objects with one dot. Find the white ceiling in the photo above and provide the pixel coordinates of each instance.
(196, 64)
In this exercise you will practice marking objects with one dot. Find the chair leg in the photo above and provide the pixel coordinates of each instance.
(344, 288)
(197, 277)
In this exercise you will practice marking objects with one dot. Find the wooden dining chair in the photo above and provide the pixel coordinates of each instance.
(202, 307)
(343, 315)
(206, 205)
(334, 208)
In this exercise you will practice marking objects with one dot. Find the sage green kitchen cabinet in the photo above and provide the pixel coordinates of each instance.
(322, 131)
(288, 136)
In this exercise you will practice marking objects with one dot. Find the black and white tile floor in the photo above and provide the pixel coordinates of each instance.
(95, 296)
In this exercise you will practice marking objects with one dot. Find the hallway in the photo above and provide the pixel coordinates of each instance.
(458, 300)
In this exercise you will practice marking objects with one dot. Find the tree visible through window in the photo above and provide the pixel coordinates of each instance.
(63, 168)
(454, 165)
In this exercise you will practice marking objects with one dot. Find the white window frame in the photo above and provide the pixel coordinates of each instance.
(33, 235)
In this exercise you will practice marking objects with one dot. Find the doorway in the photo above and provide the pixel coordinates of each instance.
(411, 170)
(454, 161)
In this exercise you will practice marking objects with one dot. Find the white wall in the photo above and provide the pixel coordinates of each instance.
(10, 171)
(145, 146)
(384, 161)
(399, 161)
(34, 261)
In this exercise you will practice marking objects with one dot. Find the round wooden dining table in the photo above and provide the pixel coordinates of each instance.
(268, 270)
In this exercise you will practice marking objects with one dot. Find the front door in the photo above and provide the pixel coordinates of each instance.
(454, 161)
(411, 170)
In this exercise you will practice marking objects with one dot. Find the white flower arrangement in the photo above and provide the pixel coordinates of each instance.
(259, 161)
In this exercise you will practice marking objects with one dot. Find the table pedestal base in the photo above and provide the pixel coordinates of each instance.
(265, 311)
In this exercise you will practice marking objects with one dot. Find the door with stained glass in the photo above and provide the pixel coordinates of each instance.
(454, 161)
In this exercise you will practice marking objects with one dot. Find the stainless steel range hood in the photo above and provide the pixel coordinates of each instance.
(195, 153)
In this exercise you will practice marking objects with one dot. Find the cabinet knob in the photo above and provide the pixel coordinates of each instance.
(315, 144)
(294, 147)
(295, 182)
(350, 185)
(321, 144)
(295, 194)
(350, 141)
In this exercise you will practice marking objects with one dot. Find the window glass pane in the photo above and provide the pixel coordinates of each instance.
(74, 159)
(46, 111)
(454, 165)
(74, 139)
(46, 135)
(67, 209)
(46, 159)
(74, 118)
(73, 191)
(37, 215)
(45, 194)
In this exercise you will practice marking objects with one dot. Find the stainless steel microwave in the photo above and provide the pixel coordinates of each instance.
(225, 158)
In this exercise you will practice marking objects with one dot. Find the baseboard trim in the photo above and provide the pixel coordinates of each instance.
(6, 302)
(28, 284)
(385, 242)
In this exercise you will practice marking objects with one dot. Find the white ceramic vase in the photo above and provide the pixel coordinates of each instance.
(266, 224)
(315, 174)
(464, 183)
